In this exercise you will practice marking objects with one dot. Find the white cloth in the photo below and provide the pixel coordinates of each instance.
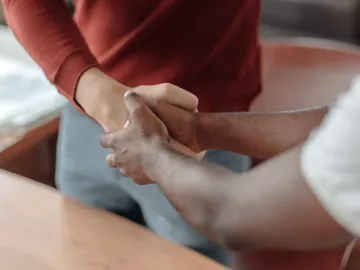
(27, 99)
(330, 160)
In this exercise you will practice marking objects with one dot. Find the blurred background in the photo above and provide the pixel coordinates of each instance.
(28, 132)
(331, 19)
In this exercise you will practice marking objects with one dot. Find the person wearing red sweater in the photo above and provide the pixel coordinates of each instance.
(210, 48)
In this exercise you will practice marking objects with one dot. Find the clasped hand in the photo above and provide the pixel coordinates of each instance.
(141, 140)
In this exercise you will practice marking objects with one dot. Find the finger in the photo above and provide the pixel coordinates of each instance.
(173, 118)
(179, 147)
(142, 179)
(136, 175)
(108, 140)
(133, 102)
(170, 114)
(136, 106)
(170, 94)
(181, 98)
(117, 139)
(180, 123)
(122, 171)
(111, 160)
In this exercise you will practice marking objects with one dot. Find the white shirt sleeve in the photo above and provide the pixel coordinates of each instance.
(330, 160)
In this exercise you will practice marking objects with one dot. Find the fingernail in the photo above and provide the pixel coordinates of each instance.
(110, 158)
(128, 94)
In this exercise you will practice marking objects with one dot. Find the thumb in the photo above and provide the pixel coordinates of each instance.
(134, 104)
(179, 147)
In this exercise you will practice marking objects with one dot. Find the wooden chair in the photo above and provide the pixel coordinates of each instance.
(301, 73)
(305, 72)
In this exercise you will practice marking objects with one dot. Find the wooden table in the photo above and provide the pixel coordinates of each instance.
(41, 229)
(32, 155)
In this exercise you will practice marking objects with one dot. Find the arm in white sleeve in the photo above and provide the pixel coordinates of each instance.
(330, 160)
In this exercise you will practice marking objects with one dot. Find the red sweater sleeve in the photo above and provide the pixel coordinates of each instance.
(47, 31)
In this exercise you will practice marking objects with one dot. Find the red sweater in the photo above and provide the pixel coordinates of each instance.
(209, 48)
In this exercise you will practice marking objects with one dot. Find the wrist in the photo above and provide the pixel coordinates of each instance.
(84, 89)
(92, 89)
(203, 133)
(101, 97)
(150, 154)
(154, 156)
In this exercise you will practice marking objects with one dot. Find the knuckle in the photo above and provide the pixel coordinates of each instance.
(165, 88)
(196, 100)
(113, 163)
(111, 139)
(126, 138)
(105, 141)
(121, 138)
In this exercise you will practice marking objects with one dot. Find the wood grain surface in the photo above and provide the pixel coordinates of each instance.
(41, 229)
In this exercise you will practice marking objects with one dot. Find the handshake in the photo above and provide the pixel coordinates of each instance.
(137, 145)
(140, 121)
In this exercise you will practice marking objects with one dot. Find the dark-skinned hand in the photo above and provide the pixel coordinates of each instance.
(182, 125)
(131, 146)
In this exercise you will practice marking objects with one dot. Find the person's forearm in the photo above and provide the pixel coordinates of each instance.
(259, 135)
(269, 207)
(193, 187)
(272, 207)
(47, 31)
(101, 97)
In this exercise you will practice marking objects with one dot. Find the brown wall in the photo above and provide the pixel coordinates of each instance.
(35, 155)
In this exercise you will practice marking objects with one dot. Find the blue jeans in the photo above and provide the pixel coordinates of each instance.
(83, 174)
